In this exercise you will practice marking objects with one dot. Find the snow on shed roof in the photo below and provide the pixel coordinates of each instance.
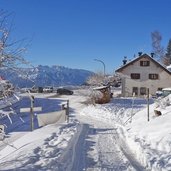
(101, 87)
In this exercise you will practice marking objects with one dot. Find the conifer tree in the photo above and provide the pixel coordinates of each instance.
(168, 53)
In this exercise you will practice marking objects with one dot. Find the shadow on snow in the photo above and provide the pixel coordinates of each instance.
(21, 121)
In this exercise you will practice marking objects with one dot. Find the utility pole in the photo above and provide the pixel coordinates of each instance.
(103, 65)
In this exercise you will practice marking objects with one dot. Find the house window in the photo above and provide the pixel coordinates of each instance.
(135, 76)
(135, 90)
(144, 63)
(153, 76)
(143, 91)
(159, 89)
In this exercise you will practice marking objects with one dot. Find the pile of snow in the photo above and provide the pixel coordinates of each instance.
(119, 110)
(151, 141)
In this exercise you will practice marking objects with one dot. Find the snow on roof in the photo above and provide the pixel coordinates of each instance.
(167, 89)
(169, 68)
(101, 87)
(142, 56)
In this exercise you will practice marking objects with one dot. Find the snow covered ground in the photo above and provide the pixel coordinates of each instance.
(114, 136)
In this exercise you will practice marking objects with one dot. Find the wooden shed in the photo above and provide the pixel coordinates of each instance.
(106, 94)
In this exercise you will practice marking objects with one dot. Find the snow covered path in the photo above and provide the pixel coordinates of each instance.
(98, 147)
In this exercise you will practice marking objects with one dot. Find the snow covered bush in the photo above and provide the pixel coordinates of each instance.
(162, 103)
(92, 95)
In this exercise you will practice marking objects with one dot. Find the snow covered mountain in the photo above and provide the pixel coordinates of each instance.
(46, 75)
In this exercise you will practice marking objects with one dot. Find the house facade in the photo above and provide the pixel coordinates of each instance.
(143, 73)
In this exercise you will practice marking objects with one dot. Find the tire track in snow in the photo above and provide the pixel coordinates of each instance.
(72, 158)
(79, 157)
(110, 155)
(107, 152)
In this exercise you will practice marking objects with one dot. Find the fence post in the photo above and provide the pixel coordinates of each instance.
(67, 112)
(66, 108)
(133, 97)
(148, 113)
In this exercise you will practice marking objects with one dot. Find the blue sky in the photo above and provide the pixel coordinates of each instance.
(73, 33)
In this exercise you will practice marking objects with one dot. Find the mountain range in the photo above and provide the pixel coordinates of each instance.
(45, 76)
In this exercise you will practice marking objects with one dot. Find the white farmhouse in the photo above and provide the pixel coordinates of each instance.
(142, 73)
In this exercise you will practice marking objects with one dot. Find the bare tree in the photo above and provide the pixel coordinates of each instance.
(96, 79)
(11, 51)
(11, 57)
(158, 50)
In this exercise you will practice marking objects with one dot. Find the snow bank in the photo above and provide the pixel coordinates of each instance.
(149, 141)
(119, 110)
(43, 148)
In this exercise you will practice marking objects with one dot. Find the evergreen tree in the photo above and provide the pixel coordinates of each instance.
(168, 53)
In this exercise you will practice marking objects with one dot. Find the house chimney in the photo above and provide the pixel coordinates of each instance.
(139, 53)
(152, 54)
(125, 60)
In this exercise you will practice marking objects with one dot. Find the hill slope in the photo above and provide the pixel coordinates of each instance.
(46, 75)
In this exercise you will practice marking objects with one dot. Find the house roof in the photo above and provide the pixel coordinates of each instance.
(139, 58)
